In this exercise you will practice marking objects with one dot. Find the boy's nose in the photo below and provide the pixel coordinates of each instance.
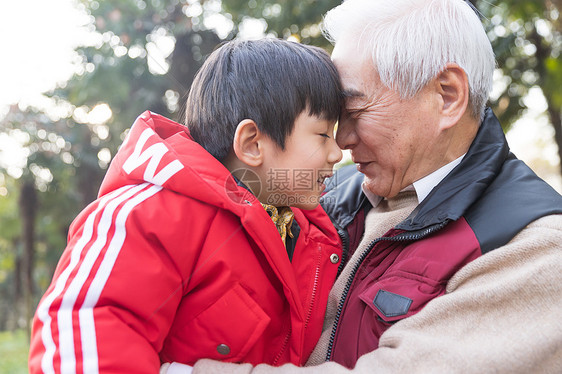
(335, 153)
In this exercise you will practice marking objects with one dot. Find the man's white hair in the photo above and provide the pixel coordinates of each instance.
(411, 41)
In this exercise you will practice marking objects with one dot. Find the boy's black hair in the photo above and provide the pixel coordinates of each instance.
(270, 81)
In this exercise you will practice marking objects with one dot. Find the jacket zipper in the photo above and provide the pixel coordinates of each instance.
(309, 313)
(345, 249)
(283, 347)
(314, 287)
(397, 238)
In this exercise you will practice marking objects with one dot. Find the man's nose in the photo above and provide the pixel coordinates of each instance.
(346, 137)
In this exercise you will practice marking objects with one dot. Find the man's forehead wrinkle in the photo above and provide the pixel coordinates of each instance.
(357, 99)
(352, 93)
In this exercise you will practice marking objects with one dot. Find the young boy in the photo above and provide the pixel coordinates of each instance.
(177, 259)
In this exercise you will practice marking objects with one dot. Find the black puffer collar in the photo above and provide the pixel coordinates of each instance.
(466, 183)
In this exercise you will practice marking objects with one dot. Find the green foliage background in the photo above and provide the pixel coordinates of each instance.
(13, 350)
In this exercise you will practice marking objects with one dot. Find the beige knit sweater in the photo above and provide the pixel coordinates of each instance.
(502, 313)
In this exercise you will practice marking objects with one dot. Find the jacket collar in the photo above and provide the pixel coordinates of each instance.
(450, 199)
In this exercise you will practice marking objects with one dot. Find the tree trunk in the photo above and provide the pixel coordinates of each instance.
(88, 173)
(18, 274)
(557, 4)
(28, 210)
(19, 300)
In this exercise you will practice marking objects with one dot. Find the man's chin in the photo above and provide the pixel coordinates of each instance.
(374, 186)
(371, 186)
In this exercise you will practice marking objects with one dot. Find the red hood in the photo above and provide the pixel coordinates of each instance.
(162, 152)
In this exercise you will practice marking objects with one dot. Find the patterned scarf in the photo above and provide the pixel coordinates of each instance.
(282, 218)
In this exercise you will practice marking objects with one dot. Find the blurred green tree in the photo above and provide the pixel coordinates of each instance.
(527, 40)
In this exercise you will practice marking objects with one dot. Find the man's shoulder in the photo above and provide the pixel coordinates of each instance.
(547, 226)
(514, 199)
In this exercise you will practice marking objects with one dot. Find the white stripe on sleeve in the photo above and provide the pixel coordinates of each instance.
(65, 313)
(87, 325)
(43, 309)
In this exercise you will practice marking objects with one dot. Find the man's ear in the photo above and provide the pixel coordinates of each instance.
(247, 143)
(452, 87)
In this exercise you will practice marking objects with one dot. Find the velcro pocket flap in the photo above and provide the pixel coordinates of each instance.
(228, 328)
(397, 297)
(391, 304)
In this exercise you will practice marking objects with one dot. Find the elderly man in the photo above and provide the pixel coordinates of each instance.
(454, 246)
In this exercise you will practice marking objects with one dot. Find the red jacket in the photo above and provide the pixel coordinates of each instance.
(175, 262)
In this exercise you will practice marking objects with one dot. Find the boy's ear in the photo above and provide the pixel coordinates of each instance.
(452, 87)
(247, 143)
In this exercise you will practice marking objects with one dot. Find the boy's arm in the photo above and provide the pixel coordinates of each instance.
(115, 291)
(501, 314)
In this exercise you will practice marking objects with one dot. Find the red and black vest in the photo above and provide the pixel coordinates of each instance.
(481, 205)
